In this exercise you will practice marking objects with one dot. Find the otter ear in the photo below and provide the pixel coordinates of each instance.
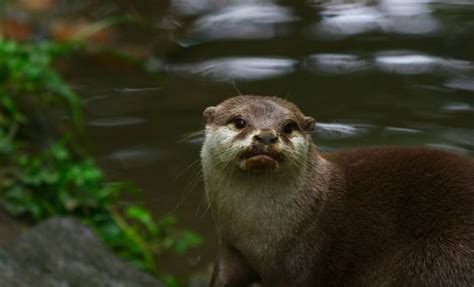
(208, 114)
(308, 124)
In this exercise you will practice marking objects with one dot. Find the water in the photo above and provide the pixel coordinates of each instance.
(370, 72)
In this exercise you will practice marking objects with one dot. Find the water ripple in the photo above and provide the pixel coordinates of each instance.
(458, 107)
(339, 130)
(347, 19)
(136, 90)
(196, 7)
(460, 136)
(449, 147)
(235, 68)
(335, 63)
(400, 130)
(411, 63)
(396, 61)
(133, 157)
(395, 16)
(240, 21)
(461, 84)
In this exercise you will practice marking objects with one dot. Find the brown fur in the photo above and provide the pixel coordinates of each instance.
(381, 216)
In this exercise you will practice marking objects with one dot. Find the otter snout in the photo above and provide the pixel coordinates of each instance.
(266, 137)
(263, 154)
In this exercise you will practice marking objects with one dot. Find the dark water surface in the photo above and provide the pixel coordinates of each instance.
(370, 72)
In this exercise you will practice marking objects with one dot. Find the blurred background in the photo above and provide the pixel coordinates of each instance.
(370, 72)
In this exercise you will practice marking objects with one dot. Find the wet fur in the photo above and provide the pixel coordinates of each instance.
(385, 216)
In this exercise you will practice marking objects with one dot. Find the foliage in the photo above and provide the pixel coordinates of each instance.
(57, 181)
(25, 70)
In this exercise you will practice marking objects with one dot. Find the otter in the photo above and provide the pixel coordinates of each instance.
(287, 214)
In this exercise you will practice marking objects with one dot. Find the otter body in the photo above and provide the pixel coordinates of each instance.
(287, 215)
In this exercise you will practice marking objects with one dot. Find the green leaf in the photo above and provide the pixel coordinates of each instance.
(187, 240)
(169, 280)
(141, 215)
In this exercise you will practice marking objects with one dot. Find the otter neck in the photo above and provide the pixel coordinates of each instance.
(256, 213)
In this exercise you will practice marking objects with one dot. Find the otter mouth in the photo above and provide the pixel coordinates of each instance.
(260, 160)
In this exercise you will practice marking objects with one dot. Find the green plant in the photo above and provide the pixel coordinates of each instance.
(55, 183)
(39, 183)
(25, 69)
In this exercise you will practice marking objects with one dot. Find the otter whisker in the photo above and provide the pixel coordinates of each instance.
(189, 187)
(191, 165)
(192, 136)
(193, 182)
(203, 206)
(236, 88)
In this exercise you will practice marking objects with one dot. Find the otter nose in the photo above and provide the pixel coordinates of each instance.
(266, 137)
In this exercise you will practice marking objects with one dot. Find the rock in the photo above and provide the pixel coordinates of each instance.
(63, 252)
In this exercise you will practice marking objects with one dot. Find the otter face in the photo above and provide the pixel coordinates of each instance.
(256, 134)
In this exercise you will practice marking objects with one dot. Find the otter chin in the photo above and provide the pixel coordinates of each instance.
(260, 162)
(287, 214)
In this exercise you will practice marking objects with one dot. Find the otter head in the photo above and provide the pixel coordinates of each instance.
(256, 135)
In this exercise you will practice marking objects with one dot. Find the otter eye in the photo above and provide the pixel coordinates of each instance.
(289, 127)
(239, 123)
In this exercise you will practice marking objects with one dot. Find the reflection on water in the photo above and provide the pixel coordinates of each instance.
(339, 130)
(345, 20)
(461, 84)
(136, 90)
(252, 68)
(391, 16)
(398, 130)
(412, 63)
(134, 157)
(400, 62)
(458, 107)
(462, 137)
(240, 21)
(231, 69)
(370, 72)
(335, 63)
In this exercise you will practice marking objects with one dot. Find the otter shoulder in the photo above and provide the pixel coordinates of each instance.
(404, 169)
(397, 157)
